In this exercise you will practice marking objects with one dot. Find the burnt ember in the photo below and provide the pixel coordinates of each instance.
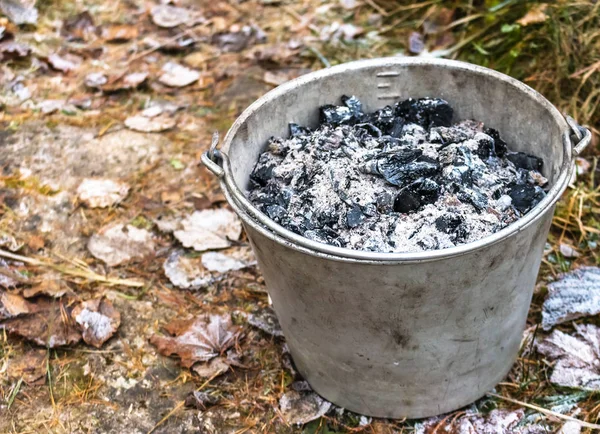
(404, 178)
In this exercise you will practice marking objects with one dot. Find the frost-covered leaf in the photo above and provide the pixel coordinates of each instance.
(154, 124)
(495, 422)
(265, 320)
(570, 427)
(62, 64)
(209, 229)
(97, 319)
(298, 408)
(198, 339)
(20, 11)
(574, 295)
(186, 272)
(119, 243)
(577, 357)
(101, 193)
(176, 75)
(215, 261)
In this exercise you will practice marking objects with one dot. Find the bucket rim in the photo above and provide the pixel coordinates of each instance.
(253, 217)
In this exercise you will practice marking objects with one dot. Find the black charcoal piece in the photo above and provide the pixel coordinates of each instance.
(500, 146)
(355, 217)
(419, 193)
(448, 223)
(368, 181)
(426, 112)
(525, 196)
(525, 161)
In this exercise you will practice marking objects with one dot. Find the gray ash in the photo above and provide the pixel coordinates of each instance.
(400, 179)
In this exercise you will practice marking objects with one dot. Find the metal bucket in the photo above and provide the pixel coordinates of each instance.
(402, 334)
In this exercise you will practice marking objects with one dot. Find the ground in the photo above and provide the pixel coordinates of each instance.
(87, 95)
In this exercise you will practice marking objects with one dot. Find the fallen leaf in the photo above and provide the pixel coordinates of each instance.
(119, 32)
(35, 243)
(50, 325)
(209, 229)
(215, 261)
(118, 243)
(11, 50)
(187, 272)
(8, 241)
(13, 305)
(568, 251)
(145, 124)
(60, 64)
(200, 400)
(118, 82)
(235, 41)
(79, 27)
(30, 366)
(52, 285)
(498, 421)
(101, 193)
(265, 320)
(50, 106)
(299, 408)
(9, 275)
(95, 79)
(535, 15)
(214, 368)
(577, 357)
(98, 320)
(570, 427)
(19, 11)
(574, 295)
(171, 16)
(198, 339)
(279, 77)
(176, 75)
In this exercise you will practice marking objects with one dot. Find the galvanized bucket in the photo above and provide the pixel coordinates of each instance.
(402, 334)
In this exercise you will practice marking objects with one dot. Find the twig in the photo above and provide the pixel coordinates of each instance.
(378, 8)
(546, 411)
(87, 274)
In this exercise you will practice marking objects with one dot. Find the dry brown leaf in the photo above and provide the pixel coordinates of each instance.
(535, 15)
(35, 242)
(98, 319)
(30, 366)
(79, 27)
(12, 305)
(51, 285)
(214, 368)
(50, 325)
(119, 32)
(11, 50)
(198, 339)
(118, 243)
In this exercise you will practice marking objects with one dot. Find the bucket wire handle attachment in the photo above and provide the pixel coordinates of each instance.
(213, 157)
(580, 136)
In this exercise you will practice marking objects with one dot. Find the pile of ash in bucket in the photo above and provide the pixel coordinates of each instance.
(401, 179)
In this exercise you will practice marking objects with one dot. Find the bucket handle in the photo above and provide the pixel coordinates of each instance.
(213, 158)
(580, 136)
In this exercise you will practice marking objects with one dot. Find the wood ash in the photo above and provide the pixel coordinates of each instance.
(401, 179)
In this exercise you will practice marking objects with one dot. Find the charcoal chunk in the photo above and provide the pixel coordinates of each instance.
(419, 193)
(500, 146)
(525, 196)
(298, 130)
(355, 217)
(485, 146)
(335, 115)
(473, 197)
(426, 112)
(354, 105)
(398, 173)
(263, 171)
(448, 223)
(276, 212)
(397, 127)
(525, 161)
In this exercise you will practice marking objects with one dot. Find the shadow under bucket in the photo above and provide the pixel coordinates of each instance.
(402, 334)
